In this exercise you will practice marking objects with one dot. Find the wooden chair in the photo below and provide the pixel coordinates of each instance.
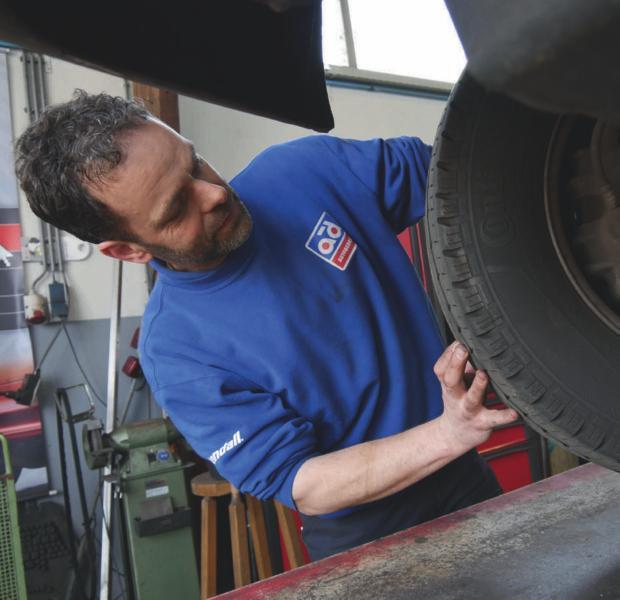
(210, 487)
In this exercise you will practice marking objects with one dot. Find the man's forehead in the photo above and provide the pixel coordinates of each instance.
(152, 138)
(152, 150)
(153, 155)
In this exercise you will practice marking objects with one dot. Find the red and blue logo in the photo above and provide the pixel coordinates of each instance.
(331, 243)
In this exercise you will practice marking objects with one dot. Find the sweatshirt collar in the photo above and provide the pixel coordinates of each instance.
(233, 266)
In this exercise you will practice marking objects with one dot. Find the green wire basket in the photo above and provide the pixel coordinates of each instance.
(12, 579)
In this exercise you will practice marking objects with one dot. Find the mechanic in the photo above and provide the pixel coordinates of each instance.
(288, 336)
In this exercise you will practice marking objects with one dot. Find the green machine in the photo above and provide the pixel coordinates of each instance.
(12, 581)
(150, 479)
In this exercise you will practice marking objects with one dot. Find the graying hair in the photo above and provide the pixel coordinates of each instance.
(71, 144)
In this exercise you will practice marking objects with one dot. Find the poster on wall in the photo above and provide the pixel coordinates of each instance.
(21, 425)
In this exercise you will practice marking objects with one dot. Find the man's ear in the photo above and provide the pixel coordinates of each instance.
(125, 251)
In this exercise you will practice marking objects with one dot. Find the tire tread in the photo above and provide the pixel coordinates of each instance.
(476, 320)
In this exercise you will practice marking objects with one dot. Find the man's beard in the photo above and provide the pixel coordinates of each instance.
(203, 253)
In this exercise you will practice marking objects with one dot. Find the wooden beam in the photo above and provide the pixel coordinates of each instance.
(163, 104)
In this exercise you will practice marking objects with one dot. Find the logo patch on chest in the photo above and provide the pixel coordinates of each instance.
(331, 243)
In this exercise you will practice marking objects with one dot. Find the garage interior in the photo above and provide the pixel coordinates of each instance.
(101, 495)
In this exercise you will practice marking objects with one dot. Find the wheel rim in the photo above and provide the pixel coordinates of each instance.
(582, 204)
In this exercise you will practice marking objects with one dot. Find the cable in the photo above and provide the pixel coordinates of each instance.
(120, 574)
(63, 327)
(82, 539)
(121, 577)
(91, 514)
(114, 568)
(63, 398)
(49, 347)
(65, 486)
(132, 391)
(35, 283)
(62, 324)
(65, 281)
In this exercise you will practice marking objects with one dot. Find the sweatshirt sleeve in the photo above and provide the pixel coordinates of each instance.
(254, 440)
(395, 170)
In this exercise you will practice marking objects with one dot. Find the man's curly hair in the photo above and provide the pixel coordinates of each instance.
(70, 144)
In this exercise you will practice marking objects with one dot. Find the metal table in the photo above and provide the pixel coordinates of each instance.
(559, 538)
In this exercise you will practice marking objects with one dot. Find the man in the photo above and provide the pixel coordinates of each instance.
(287, 336)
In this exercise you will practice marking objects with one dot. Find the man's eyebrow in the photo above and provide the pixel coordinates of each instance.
(169, 206)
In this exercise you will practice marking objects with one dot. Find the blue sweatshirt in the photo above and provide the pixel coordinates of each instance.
(316, 334)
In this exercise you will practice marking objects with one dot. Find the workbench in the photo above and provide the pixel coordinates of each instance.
(558, 538)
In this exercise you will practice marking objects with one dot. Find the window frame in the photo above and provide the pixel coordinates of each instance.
(352, 76)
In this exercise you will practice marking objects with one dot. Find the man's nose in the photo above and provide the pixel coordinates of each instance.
(210, 196)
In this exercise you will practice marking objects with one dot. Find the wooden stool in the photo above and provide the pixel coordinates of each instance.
(209, 488)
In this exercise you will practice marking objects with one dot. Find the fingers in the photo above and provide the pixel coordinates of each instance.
(453, 375)
(470, 369)
(451, 369)
(443, 360)
(496, 418)
(477, 391)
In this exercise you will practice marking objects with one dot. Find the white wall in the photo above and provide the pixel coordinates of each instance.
(229, 139)
(90, 280)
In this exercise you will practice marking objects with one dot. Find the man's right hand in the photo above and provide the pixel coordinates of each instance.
(372, 470)
(465, 420)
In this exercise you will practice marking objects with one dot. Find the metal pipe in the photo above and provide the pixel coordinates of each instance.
(36, 75)
(43, 256)
(106, 525)
(50, 248)
(40, 87)
(113, 345)
(56, 235)
(33, 111)
(357, 79)
(42, 82)
(29, 86)
(39, 90)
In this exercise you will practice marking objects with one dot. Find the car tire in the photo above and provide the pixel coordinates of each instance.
(500, 282)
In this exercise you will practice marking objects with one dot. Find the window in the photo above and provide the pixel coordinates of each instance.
(393, 41)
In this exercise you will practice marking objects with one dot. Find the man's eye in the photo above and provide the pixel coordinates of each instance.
(178, 211)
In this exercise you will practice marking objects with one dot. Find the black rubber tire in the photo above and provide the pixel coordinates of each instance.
(500, 282)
